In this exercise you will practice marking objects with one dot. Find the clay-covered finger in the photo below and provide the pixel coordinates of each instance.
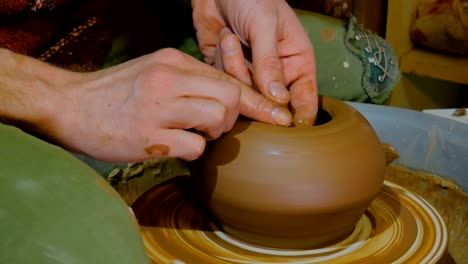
(267, 68)
(304, 101)
(231, 57)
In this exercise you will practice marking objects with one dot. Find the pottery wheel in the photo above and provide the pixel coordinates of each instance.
(397, 227)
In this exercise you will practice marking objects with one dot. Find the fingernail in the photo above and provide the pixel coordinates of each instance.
(281, 116)
(279, 92)
(227, 45)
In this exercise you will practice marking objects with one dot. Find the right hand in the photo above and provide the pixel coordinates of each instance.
(143, 108)
(282, 56)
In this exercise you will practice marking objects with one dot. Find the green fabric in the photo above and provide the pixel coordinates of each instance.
(381, 71)
(55, 209)
(338, 70)
(350, 60)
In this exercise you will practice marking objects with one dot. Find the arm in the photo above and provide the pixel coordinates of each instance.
(30, 91)
(114, 114)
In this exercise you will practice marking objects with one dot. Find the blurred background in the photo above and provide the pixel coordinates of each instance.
(429, 37)
(431, 78)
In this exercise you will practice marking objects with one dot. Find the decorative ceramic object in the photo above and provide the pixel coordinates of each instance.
(295, 187)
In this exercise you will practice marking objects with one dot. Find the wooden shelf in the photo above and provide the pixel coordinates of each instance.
(430, 80)
(436, 66)
(401, 14)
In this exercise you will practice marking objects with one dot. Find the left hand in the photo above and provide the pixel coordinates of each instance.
(282, 55)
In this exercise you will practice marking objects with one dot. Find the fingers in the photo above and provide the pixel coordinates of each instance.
(156, 143)
(304, 101)
(205, 115)
(257, 107)
(190, 65)
(203, 94)
(230, 57)
(300, 74)
(268, 73)
(185, 77)
(208, 22)
(176, 144)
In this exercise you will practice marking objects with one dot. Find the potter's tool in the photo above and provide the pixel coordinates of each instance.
(398, 227)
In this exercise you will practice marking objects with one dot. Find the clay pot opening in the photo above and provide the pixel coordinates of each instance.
(323, 117)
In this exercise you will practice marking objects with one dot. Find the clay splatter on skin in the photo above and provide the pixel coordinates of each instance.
(106, 139)
(162, 149)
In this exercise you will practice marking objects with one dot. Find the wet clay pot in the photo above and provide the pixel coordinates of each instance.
(295, 187)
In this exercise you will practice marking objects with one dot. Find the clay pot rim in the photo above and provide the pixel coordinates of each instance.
(338, 110)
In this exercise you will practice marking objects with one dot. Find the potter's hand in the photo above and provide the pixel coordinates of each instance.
(134, 111)
(282, 55)
(141, 109)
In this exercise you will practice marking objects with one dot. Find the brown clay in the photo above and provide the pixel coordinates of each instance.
(159, 148)
(295, 187)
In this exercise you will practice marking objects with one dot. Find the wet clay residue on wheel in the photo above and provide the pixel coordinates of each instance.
(398, 227)
(449, 200)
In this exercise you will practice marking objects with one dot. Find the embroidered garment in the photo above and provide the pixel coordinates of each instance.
(353, 63)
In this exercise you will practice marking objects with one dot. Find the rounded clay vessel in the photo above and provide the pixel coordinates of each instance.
(293, 187)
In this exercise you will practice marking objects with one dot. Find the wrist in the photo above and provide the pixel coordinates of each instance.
(31, 92)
